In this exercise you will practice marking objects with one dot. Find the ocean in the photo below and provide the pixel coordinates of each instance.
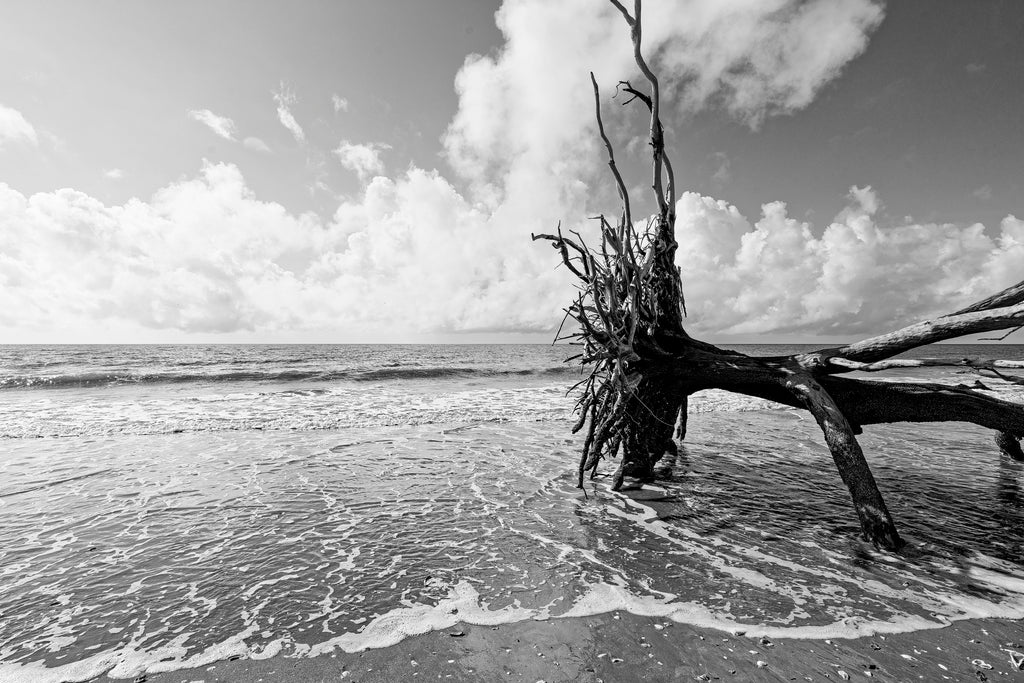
(166, 507)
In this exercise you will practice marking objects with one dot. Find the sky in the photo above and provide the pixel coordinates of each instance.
(341, 171)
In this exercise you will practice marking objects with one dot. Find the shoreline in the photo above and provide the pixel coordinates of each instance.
(620, 646)
(748, 526)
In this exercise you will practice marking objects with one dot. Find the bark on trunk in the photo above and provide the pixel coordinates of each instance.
(655, 405)
(875, 520)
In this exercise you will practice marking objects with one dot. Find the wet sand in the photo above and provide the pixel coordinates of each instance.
(623, 647)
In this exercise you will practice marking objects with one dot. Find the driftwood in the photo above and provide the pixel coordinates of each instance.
(629, 314)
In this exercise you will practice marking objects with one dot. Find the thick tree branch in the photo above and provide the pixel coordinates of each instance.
(853, 468)
(928, 332)
(670, 175)
(891, 364)
(1003, 310)
(657, 133)
(868, 402)
(1008, 297)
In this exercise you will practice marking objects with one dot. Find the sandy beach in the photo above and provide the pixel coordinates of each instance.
(625, 647)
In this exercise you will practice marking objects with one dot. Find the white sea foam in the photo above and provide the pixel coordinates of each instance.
(463, 604)
(988, 575)
(414, 529)
(74, 672)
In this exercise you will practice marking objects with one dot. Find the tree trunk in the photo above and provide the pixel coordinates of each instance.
(874, 516)
(655, 405)
(643, 365)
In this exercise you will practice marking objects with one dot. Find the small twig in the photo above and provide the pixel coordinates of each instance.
(1012, 379)
(1001, 338)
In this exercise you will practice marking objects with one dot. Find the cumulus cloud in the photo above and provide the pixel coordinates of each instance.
(417, 252)
(528, 107)
(15, 128)
(779, 275)
(205, 255)
(285, 99)
(411, 254)
(221, 125)
(363, 159)
(255, 144)
(114, 174)
(339, 102)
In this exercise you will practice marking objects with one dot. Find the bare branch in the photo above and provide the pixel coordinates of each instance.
(923, 362)
(1001, 338)
(1008, 297)
(625, 12)
(930, 331)
(874, 402)
(636, 95)
(621, 186)
(657, 135)
(874, 517)
(1010, 379)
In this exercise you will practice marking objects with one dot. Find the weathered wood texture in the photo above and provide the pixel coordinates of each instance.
(849, 459)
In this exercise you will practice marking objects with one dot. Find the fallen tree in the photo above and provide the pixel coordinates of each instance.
(629, 314)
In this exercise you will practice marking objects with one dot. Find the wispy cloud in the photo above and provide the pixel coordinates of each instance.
(225, 128)
(221, 125)
(114, 174)
(255, 144)
(723, 170)
(285, 99)
(15, 128)
(363, 159)
(984, 193)
(975, 68)
(339, 102)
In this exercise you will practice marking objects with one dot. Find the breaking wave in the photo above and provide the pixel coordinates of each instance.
(103, 379)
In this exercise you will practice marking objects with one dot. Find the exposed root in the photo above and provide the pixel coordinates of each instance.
(641, 365)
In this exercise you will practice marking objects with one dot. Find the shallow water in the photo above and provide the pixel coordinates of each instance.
(129, 552)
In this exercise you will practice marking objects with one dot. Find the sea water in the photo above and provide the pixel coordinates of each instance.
(171, 506)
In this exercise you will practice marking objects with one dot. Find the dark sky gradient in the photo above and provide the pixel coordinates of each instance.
(928, 115)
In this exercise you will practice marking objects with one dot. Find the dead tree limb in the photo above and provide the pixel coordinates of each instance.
(931, 331)
(849, 459)
(643, 366)
(924, 362)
